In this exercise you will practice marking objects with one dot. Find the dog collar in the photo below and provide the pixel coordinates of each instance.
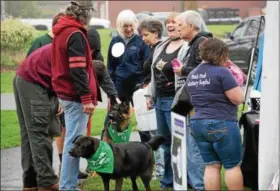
(102, 160)
(120, 137)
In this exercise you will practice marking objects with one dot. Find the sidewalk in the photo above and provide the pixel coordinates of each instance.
(8, 101)
(11, 171)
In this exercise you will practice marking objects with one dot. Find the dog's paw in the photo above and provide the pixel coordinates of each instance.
(94, 175)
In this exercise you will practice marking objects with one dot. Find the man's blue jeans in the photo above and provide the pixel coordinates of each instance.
(76, 123)
(159, 159)
(163, 115)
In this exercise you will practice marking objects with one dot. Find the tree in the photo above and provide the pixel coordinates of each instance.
(22, 9)
(190, 5)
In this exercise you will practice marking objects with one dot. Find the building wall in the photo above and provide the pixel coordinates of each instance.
(244, 6)
(247, 8)
(115, 7)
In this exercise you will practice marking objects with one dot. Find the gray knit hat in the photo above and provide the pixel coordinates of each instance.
(84, 5)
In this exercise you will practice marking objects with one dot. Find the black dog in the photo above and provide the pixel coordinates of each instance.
(131, 159)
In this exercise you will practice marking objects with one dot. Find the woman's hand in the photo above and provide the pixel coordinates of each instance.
(59, 110)
(178, 70)
(149, 103)
(109, 103)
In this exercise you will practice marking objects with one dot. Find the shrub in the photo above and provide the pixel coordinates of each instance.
(15, 35)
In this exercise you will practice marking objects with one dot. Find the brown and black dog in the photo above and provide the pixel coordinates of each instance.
(133, 159)
(119, 118)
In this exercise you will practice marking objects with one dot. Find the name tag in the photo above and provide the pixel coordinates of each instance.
(134, 48)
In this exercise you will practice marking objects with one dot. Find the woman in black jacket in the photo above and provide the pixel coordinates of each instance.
(151, 32)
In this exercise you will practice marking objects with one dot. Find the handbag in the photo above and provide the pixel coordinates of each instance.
(237, 73)
(146, 119)
(182, 102)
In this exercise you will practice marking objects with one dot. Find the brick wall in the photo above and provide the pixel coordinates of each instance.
(154, 6)
(244, 6)
(247, 8)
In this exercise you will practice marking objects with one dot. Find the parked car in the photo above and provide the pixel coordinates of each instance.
(99, 23)
(220, 16)
(46, 24)
(39, 24)
(241, 42)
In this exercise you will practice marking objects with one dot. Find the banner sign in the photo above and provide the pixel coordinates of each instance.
(179, 151)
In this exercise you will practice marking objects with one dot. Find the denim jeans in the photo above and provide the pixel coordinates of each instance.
(163, 115)
(159, 158)
(219, 141)
(195, 162)
(76, 123)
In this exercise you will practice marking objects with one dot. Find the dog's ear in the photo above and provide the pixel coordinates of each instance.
(76, 138)
(126, 106)
(113, 100)
(110, 115)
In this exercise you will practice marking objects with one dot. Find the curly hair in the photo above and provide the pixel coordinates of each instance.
(79, 12)
(56, 18)
(214, 51)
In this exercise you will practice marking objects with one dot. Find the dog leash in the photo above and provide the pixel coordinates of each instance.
(89, 126)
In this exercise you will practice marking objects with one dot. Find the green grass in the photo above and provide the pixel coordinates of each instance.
(97, 184)
(10, 137)
(7, 82)
(219, 31)
(10, 131)
(105, 42)
(8, 60)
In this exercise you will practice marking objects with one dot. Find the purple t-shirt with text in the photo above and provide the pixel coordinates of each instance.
(206, 85)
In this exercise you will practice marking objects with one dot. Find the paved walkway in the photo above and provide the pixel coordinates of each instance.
(11, 172)
(8, 101)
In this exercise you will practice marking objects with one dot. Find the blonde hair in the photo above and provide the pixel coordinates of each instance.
(126, 17)
(171, 16)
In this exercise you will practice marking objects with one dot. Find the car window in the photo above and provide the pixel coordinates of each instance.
(240, 30)
(254, 27)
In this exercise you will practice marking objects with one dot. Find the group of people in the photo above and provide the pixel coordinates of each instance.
(57, 85)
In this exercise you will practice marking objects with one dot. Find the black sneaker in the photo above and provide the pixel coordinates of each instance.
(82, 175)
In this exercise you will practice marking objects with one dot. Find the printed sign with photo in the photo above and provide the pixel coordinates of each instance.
(179, 151)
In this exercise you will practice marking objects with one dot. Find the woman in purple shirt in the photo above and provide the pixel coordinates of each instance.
(215, 96)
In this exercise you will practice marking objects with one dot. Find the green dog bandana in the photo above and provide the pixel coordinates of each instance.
(120, 137)
(103, 159)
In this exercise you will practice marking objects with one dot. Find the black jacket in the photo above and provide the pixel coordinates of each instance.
(95, 44)
(107, 85)
(192, 58)
(148, 63)
(105, 81)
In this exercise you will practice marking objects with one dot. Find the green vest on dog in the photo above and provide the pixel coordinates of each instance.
(102, 160)
(120, 137)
